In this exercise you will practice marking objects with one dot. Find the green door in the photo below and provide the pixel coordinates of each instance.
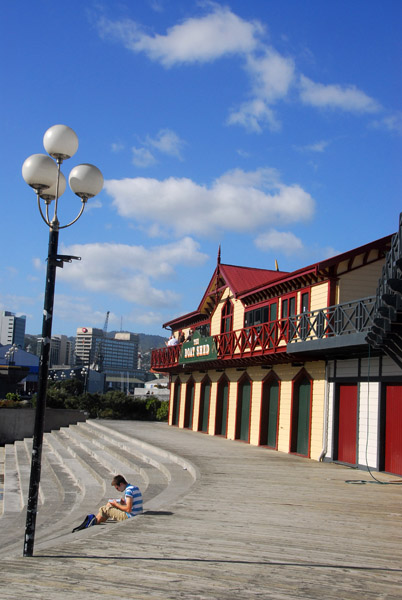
(188, 422)
(244, 410)
(303, 417)
(206, 388)
(273, 414)
(225, 393)
(176, 401)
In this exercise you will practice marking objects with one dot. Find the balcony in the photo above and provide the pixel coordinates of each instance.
(314, 334)
(332, 329)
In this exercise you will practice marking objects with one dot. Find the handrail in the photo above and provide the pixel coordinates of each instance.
(341, 319)
(273, 337)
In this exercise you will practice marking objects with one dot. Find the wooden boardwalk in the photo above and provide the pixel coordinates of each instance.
(256, 524)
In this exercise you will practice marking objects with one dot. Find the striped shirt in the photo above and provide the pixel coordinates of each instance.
(132, 491)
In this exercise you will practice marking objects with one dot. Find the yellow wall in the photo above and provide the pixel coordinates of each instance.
(286, 374)
(238, 314)
(319, 296)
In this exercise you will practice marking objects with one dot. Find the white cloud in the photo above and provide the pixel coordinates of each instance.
(117, 147)
(149, 318)
(167, 142)
(221, 33)
(142, 157)
(126, 271)
(283, 241)
(347, 98)
(392, 122)
(253, 116)
(272, 74)
(201, 39)
(318, 147)
(271, 77)
(77, 309)
(37, 263)
(237, 201)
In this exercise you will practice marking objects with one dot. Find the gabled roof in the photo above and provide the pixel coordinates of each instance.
(249, 284)
(238, 279)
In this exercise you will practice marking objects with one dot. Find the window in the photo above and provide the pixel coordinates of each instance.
(305, 306)
(227, 317)
(265, 314)
(288, 312)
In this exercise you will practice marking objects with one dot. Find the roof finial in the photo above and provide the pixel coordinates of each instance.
(276, 265)
(219, 255)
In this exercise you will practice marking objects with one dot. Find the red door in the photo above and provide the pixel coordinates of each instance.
(347, 428)
(393, 429)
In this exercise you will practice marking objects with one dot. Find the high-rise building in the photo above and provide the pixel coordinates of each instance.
(61, 352)
(12, 329)
(94, 349)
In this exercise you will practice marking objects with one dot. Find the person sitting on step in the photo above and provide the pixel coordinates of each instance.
(128, 506)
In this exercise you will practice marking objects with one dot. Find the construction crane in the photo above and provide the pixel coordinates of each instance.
(97, 364)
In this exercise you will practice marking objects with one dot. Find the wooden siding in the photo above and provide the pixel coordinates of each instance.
(368, 424)
(359, 283)
(330, 423)
(347, 368)
(319, 296)
(370, 367)
(390, 368)
(238, 315)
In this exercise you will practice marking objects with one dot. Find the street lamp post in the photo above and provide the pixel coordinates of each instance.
(84, 374)
(9, 355)
(43, 173)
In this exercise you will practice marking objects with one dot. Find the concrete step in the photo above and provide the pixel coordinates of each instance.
(123, 459)
(85, 476)
(12, 495)
(180, 473)
(78, 464)
(111, 461)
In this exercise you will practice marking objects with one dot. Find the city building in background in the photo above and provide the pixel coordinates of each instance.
(116, 357)
(61, 350)
(93, 348)
(12, 329)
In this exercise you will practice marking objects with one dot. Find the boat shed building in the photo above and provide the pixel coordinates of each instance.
(282, 360)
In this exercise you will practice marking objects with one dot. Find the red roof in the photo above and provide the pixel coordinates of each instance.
(240, 279)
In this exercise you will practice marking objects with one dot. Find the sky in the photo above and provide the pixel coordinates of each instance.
(270, 128)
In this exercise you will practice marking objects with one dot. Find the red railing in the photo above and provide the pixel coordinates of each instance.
(274, 337)
(165, 357)
(250, 341)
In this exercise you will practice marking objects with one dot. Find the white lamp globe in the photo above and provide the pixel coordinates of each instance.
(60, 141)
(86, 181)
(39, 171)
(50, 192)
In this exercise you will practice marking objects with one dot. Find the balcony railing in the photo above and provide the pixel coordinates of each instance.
(276, 336)
(341, 319)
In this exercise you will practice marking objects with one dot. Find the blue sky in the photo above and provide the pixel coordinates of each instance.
(272, 128)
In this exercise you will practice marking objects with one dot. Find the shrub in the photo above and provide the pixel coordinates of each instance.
(112, 405)
(163, 411)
